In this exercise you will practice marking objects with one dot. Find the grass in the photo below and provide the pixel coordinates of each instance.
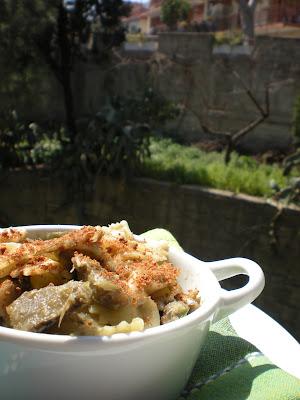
(189, 165)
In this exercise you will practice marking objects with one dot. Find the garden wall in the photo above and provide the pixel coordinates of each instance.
(210, 224)
(190, 69)
(218, 97)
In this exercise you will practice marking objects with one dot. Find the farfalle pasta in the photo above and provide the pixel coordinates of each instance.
(96, 280)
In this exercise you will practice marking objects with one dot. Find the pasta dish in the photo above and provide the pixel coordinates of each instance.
(96, 280)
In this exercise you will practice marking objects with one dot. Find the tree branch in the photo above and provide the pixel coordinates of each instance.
(209, 130)
(229, 139)
(251, 96)
(242, 132)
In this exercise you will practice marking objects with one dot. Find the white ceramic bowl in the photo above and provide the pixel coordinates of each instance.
(154, 364)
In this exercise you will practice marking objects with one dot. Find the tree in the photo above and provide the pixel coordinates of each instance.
(247, 12)
(174, 11)
(45, 31)
(293, 160)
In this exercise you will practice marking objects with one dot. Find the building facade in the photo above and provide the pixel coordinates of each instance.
(138, 21)
(271, 16)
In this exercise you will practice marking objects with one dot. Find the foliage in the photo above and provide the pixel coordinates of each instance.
(189, 165)
(19, 25)
(27, 144)
(152, 108)
(116, 140)
(136, 38)
(119, 139)
(45, 31)
(174, 11)
(106, 17)
(39, 28)
(290, 193)
(232, 38)
(293, 160)
(112, 145)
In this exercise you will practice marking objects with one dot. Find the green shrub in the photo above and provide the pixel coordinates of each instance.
(189, 165)
(116, 140)
(232, 38)
(292, 161)
(26, 143)
(135, 37)
(174, 11)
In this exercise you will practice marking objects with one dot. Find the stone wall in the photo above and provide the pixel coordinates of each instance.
(209, 224)
(190, 69)
(203, 76)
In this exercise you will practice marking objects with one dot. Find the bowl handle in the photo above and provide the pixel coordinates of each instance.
(231, 301)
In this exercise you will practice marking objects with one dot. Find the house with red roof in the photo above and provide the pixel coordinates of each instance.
(276, 17)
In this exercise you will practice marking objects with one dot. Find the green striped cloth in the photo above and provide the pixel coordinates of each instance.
(230, 368)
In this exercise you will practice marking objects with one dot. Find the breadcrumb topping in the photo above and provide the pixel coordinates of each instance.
(131, 283)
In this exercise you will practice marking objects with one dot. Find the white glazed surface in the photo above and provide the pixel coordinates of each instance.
(154, 364)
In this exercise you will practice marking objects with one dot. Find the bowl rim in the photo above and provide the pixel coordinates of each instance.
(66, 342)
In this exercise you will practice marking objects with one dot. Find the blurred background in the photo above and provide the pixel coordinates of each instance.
(180, 114)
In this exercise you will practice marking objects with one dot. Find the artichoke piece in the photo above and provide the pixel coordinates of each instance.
(174, 311)
(8, 293)
(36, 310)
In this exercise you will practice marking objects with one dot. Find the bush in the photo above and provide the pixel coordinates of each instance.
(135, 37)
(292, 161)
(174, 11)
(26, 143)
(231, 38)
(116, 140)
(189, 165)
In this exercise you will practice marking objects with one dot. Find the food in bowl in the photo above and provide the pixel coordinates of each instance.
(95, 280)
(153, 364)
